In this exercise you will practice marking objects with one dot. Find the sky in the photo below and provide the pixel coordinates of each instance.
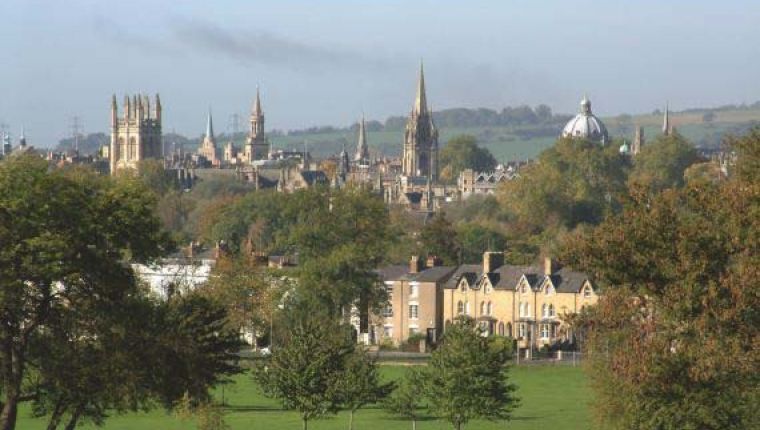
(325, 62)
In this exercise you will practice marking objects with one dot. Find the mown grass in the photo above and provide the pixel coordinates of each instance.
(552, 397)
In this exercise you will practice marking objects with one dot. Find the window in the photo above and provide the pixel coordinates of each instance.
(413, 290)
(551, 311)
(545, 331)
(587, 292)
(545, 311)
(463, 285)
(467, 308)
(549, 290)
(527, 309)
(482, 308)
(523, 288)
(413, 331)
(521, 329)
(387, 331)
(388, 310)
(460, 308)
(413, 311)
(509, 329)
(501, 329)
(489, 309)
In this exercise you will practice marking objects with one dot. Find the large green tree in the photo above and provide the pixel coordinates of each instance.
(467, 377)
(407, 399)
(439, 238)
(661, 163)
(573, 182)
(673, 342)
(64, 237)
(462, 152)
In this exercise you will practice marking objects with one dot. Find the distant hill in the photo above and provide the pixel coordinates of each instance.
(511, 133)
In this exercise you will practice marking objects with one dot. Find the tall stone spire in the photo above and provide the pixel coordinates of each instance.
(420, 156)
(666, 121)
(208, 147)
(257, 104)
(209, 126)
(362, 149)
(420, 102)
(257, 145)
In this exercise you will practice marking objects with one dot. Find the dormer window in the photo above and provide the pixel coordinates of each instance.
(549, 290)
(523, 288)
(587, 291)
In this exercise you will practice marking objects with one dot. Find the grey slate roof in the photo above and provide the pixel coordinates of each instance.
(314, 176)
(470, 271)
(568, 281)
(401, 272)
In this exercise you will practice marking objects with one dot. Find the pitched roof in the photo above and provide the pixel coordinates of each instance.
(314, 176)
(469, 271)
(510, 275)
(393, 273)
(432, 274)
(568, 281)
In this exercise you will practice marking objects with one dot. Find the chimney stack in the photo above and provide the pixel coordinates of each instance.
(434, 261)
(492, 261)
(550, 266)
(416, 264)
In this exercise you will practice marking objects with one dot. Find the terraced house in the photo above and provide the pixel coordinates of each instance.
(524, 302)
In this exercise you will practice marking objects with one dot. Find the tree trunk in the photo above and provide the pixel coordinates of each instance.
(351, 420)
(10, 410)
(72, 424)
(305, 423)
(414, 424)
(55, 417)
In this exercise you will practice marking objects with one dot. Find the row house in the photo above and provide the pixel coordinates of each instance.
(415, 301)
(523, 302)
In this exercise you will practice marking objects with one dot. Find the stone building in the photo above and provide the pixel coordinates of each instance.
(208, 149)
(471, 182)
(523, 302)
(136, 135)
(586, 126)
(420, 156)
(257, 144)
(415, 300)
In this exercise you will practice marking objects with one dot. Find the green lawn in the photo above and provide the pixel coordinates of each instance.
(553, 397)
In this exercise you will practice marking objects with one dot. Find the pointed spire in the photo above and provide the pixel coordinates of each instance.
(257, 104)
(420, 102)
(666, 120)
(209, 126)
(362, 149)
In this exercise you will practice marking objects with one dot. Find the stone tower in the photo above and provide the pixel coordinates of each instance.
(420, 157)
(362, 149)
(208, 148)
(638, 141)
(136, 135)
(257, 144)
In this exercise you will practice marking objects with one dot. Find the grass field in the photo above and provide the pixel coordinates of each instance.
(553, 397)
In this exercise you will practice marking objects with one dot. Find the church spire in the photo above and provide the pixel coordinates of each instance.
(666, 121)
(362, 149)
(420, 102)
(209, 126)
(257, 104)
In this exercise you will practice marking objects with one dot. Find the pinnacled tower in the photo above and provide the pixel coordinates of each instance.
(362, 150)
(420, 157)
(135, 136)
(208, 148)
(257, 144)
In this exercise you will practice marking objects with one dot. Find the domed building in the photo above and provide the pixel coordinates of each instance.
(586, 126)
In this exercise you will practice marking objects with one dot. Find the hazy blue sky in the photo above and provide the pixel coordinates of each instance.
(324, 62)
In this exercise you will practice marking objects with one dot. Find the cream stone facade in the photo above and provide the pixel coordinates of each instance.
(523, 302)
(135, 136)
